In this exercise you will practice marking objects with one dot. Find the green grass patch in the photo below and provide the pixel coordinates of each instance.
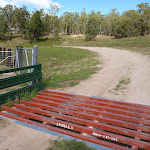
(122, 84)
(63, 67)
(43, 41)
(9, 103)
(68, 145)
(139, 44)
(28, 95)
(23, 96)
(107, 41)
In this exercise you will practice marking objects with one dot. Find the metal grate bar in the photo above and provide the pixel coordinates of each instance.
(110, 124)
(97, 141)
(99, 103)
(92, 111)
(103, 108)
(101, 99)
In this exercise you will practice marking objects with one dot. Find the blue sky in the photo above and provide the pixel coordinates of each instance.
(77, 5)
(98, 5)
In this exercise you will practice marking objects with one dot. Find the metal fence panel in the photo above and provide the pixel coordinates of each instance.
(15, 80)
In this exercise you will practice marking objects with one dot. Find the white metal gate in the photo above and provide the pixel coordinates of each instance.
(19, 57)
(23, 57)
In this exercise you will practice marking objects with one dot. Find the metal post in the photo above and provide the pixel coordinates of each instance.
(34, 59)
(9, 58)
(20, 55)
(34, 55)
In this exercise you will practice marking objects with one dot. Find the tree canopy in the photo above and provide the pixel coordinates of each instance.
(14, 20)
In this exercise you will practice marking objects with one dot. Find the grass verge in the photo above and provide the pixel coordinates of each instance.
(68, 145)
(139, 44)
(43, 41)
(65, 67)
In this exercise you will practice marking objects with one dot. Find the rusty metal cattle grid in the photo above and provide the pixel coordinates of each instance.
(114, 124)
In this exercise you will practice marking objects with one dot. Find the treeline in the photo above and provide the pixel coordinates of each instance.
(14, 20)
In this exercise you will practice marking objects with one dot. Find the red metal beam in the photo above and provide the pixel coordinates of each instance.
(71, 126)
(93, 111)
(99, 125)
(101, 99)
(99, 103)
(114, 121)
(91, 139)
(108, 109)
(86, 116)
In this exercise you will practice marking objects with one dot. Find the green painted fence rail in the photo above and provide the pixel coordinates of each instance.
(35, 76)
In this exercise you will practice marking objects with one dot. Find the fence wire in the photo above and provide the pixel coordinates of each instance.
(6, 58)
(16, 58)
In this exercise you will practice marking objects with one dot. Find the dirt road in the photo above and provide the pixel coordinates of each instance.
(17, 137)
(118, 65)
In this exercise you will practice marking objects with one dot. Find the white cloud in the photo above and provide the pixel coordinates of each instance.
(38, 4)
(5, 2)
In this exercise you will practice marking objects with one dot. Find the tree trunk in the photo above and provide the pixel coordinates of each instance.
(66, 30)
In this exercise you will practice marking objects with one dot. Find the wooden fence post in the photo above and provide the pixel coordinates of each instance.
(0, 53)
(4, 54)
(9, 58)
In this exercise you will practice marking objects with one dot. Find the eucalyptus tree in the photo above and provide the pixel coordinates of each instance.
(3, 25)
(92, 26)
(48, 24)
(133, 24)
(55, 22)
(51, 21)
(8, 12)
(56, 28)
(62, 24)
(67, 22)
(111, 21)
(83, 21)
(100, 19)
(21, 17)
(36, 27)
(144, 10)
(75, 23)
